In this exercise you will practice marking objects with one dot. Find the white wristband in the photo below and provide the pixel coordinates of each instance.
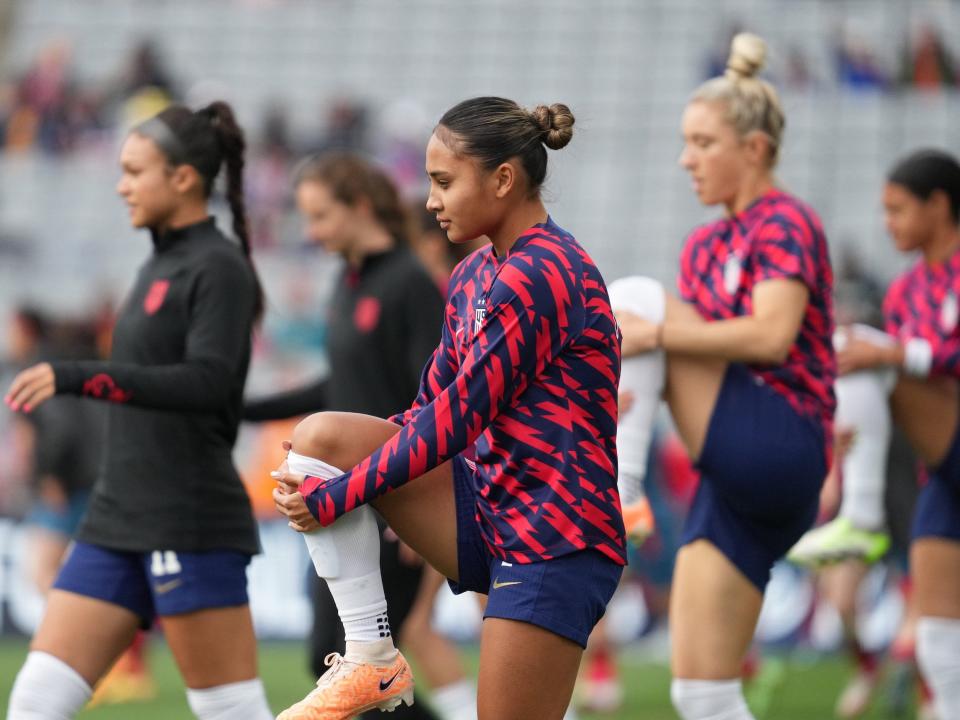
(917, 357)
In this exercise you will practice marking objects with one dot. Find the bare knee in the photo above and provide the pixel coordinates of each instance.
(318, 436)
(341, 439)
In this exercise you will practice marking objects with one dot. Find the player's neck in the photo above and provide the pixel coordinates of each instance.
(184, 216)
(522, 218)
(748, 192)
(942, 246)
(378, 240)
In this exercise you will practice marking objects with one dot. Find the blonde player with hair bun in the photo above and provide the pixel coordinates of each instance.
(744, 359)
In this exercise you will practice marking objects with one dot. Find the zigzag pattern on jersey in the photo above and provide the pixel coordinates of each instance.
(526, 372)
(924, 302)
(776, 237)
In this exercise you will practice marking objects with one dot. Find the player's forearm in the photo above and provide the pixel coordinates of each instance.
(198, 386)
(743, 339)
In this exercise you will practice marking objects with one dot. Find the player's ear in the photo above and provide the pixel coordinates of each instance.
(185, 178)
(505, 177)
(757, 146)
(939, 203)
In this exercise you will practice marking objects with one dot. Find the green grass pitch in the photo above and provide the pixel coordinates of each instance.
(798, 690)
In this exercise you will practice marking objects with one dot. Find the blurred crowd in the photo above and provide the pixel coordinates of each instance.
(925, 62)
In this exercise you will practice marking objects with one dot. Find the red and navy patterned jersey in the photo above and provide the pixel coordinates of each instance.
(527, 369)
(776, 237)
(923, 304)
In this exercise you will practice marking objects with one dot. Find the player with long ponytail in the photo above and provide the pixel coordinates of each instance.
(169, 531)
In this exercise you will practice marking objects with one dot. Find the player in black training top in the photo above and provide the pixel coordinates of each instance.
(169, 531)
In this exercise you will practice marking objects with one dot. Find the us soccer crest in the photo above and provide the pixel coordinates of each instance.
(479, 314)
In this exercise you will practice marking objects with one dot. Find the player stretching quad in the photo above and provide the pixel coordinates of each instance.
(746, 364)
(526, 370)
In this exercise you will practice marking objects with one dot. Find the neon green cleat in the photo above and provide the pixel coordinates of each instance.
(836, 541)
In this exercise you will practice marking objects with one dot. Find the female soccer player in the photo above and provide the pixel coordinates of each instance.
(527, 370)
(383, 324)
(749, 377)
(169, 531)
(921, 311)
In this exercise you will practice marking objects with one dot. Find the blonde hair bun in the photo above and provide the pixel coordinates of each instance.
(555, 123)
(748, 53)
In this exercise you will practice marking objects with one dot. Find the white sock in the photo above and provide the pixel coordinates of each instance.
(47, 688)
(643, 376)
(938, 655)
(347, 555)
(456, 701)
(863, 406)
(709, 700)
(244, 700)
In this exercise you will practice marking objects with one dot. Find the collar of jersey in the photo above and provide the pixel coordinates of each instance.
(756, 204)
(523, 239)
(166, 240)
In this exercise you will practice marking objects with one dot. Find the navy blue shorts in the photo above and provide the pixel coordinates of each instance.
(762, 467)
(162, 582)
(566, 595)
(938, 508)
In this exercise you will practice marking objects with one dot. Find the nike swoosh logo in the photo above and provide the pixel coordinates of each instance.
(497, 584)
(460, 329)
(388, 683)
(164, 588)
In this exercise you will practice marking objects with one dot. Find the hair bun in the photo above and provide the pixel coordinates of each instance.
(748, 53)
(555, 123)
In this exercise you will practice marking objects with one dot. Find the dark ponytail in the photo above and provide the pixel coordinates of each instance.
(206, 140)
(233, 146)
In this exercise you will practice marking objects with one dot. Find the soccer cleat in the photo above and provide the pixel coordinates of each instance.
(855, 699)
(839, 540)
(638, 521)
(350, 688)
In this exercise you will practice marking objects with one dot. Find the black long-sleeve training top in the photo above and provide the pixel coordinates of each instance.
(181, 350)
(384, 322)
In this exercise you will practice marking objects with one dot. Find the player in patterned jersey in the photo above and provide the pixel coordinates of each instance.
(526, 371)
(921, 310)
(749, 377)
(169, 530)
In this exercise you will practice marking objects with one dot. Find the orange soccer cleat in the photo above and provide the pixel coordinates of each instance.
(638, 521)
(350, 687)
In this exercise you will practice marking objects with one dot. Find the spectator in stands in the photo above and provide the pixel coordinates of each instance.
(856, 65)
(268, 186)
(797, 74)
(928, 64)
(145, 69)
(346, 128)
